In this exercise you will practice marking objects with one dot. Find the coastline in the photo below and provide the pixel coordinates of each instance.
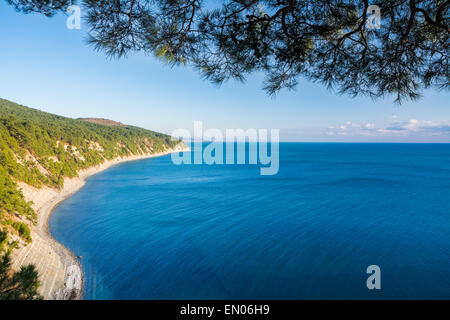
(54, 262)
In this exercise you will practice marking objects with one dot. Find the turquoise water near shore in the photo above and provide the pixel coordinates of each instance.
(149, 229)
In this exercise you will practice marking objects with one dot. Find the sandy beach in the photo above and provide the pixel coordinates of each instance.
(59, 269)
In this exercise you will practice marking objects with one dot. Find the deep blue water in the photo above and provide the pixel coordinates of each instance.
(152, 230)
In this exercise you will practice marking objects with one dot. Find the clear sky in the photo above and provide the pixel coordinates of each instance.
(49, 67)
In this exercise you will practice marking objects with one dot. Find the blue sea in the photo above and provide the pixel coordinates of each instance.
(150, 229)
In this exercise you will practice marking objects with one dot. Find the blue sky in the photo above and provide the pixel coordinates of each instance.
(49, 67)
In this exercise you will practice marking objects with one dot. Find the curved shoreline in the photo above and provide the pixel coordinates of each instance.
(54, 262)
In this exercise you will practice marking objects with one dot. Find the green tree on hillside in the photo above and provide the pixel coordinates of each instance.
(21, 285)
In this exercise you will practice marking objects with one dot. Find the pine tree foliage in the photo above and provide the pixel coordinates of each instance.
(326, 41)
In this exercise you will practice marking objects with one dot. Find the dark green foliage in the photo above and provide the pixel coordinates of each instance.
(11, 199)
(326, 41)
(3, 240)
(23, 229)
(45, 7)
(21, 285)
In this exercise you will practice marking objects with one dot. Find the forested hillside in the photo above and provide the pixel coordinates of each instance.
(41, 149)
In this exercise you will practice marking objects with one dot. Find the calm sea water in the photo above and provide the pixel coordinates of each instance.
(152, 230)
